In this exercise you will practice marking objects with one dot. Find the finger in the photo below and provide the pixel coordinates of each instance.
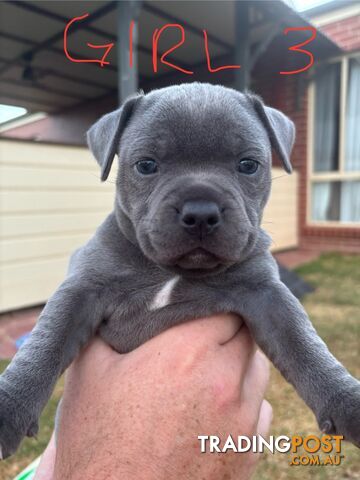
(265, 419)
(232, 330)
(262, 428)
(215, 330)
(95, 358)
(236, 355)
(45, 469)
(97, 347)
(88, 370)
(255, 383)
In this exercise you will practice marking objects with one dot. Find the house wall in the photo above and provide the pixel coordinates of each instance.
(66, 127)
(52, 201)
(343, 27)
(324, 238)
(345, 32)
(280, 215)
(290, 95)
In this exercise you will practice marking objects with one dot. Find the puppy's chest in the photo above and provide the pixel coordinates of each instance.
(145, 308)
(148, 297)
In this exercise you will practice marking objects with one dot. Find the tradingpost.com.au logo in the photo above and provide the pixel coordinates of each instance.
(309, 450)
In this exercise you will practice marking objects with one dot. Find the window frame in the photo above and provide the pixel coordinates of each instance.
(341, 174)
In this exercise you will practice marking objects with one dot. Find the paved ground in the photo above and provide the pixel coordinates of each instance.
(16, 324)
(295, 258)
(12, 326)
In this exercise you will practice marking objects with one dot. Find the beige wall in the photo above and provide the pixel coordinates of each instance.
(51, 201)
(281, 213)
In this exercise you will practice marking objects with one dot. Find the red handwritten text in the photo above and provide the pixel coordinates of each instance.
(296, 48)
(164, 56)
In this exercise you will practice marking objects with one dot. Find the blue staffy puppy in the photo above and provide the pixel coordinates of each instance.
(184, 241)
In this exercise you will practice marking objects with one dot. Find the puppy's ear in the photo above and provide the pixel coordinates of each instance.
(280, 128)
(104, 136)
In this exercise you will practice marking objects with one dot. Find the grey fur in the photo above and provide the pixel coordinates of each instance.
(118, 283)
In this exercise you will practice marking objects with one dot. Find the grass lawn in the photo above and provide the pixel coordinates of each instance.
(31, 448)
(334, 308)
(335, 311)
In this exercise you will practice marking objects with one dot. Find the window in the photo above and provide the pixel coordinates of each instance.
(335, 156)
(9, 112)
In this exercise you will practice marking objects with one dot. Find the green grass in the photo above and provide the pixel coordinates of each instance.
(334, 308)
(32, 448)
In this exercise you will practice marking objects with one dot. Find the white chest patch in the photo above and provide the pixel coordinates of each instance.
(162, 298)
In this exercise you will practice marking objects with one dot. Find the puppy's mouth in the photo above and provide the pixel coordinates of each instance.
(198, 259)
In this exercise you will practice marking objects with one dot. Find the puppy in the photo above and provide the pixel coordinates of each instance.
(184, 241)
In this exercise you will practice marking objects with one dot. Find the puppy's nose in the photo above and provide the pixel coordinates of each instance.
(200, 217)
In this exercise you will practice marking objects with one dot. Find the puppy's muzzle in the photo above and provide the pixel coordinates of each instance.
(200, 218)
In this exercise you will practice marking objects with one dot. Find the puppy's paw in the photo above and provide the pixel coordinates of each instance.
(15, 424)
(342, 414)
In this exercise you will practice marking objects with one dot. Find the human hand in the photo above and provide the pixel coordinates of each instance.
(138, 416)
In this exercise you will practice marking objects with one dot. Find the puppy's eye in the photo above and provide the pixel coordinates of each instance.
(146, 166)
(247, 166)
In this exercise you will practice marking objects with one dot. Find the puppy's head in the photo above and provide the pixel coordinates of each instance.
(194, 171)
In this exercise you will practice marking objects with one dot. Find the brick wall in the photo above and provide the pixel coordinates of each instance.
(281, 92)
(313, 237)
(346, 32)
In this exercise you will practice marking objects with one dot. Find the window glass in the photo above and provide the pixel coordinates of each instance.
(336, 201)
(352, 122)
(350, 201)
(326, 201)
(326, 122)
